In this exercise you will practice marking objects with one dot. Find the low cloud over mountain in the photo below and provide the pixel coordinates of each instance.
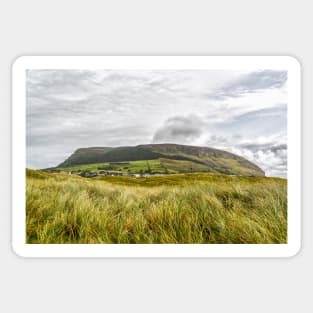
(179, 129)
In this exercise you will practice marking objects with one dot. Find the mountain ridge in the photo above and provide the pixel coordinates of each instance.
(211, 159)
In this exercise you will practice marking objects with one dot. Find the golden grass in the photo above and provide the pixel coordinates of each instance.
(194, 208)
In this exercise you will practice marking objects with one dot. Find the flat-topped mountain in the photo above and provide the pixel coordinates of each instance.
(162, 158)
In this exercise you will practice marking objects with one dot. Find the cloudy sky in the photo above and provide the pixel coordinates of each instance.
(239, 111)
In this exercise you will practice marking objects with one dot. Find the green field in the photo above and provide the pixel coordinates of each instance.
(124, 167)
(161, 165)
(184, 208)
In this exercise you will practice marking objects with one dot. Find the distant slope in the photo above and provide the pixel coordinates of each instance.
(119, 154)
(86, 156)
(213, 158)
(173, 158)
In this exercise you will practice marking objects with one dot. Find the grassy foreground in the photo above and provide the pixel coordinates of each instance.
(186, 208)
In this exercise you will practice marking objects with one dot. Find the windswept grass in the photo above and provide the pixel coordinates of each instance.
(194, 208)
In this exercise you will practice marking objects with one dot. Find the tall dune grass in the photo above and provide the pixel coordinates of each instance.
(209, 209)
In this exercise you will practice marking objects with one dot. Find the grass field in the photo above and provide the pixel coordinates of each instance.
(124, 167)
(184, 208)
(161, 165)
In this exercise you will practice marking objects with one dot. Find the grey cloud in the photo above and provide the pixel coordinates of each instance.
(180, 129)
(277, 152)
(251, 83)
(273, 147)
(265, 121)
(256, 115)
(56, 83)
(271, 155)
(215, 139)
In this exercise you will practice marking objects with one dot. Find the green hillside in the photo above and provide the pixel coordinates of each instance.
(159, 158)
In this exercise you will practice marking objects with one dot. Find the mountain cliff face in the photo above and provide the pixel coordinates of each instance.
(181, 157)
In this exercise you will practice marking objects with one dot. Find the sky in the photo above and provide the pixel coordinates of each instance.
(244, 112)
